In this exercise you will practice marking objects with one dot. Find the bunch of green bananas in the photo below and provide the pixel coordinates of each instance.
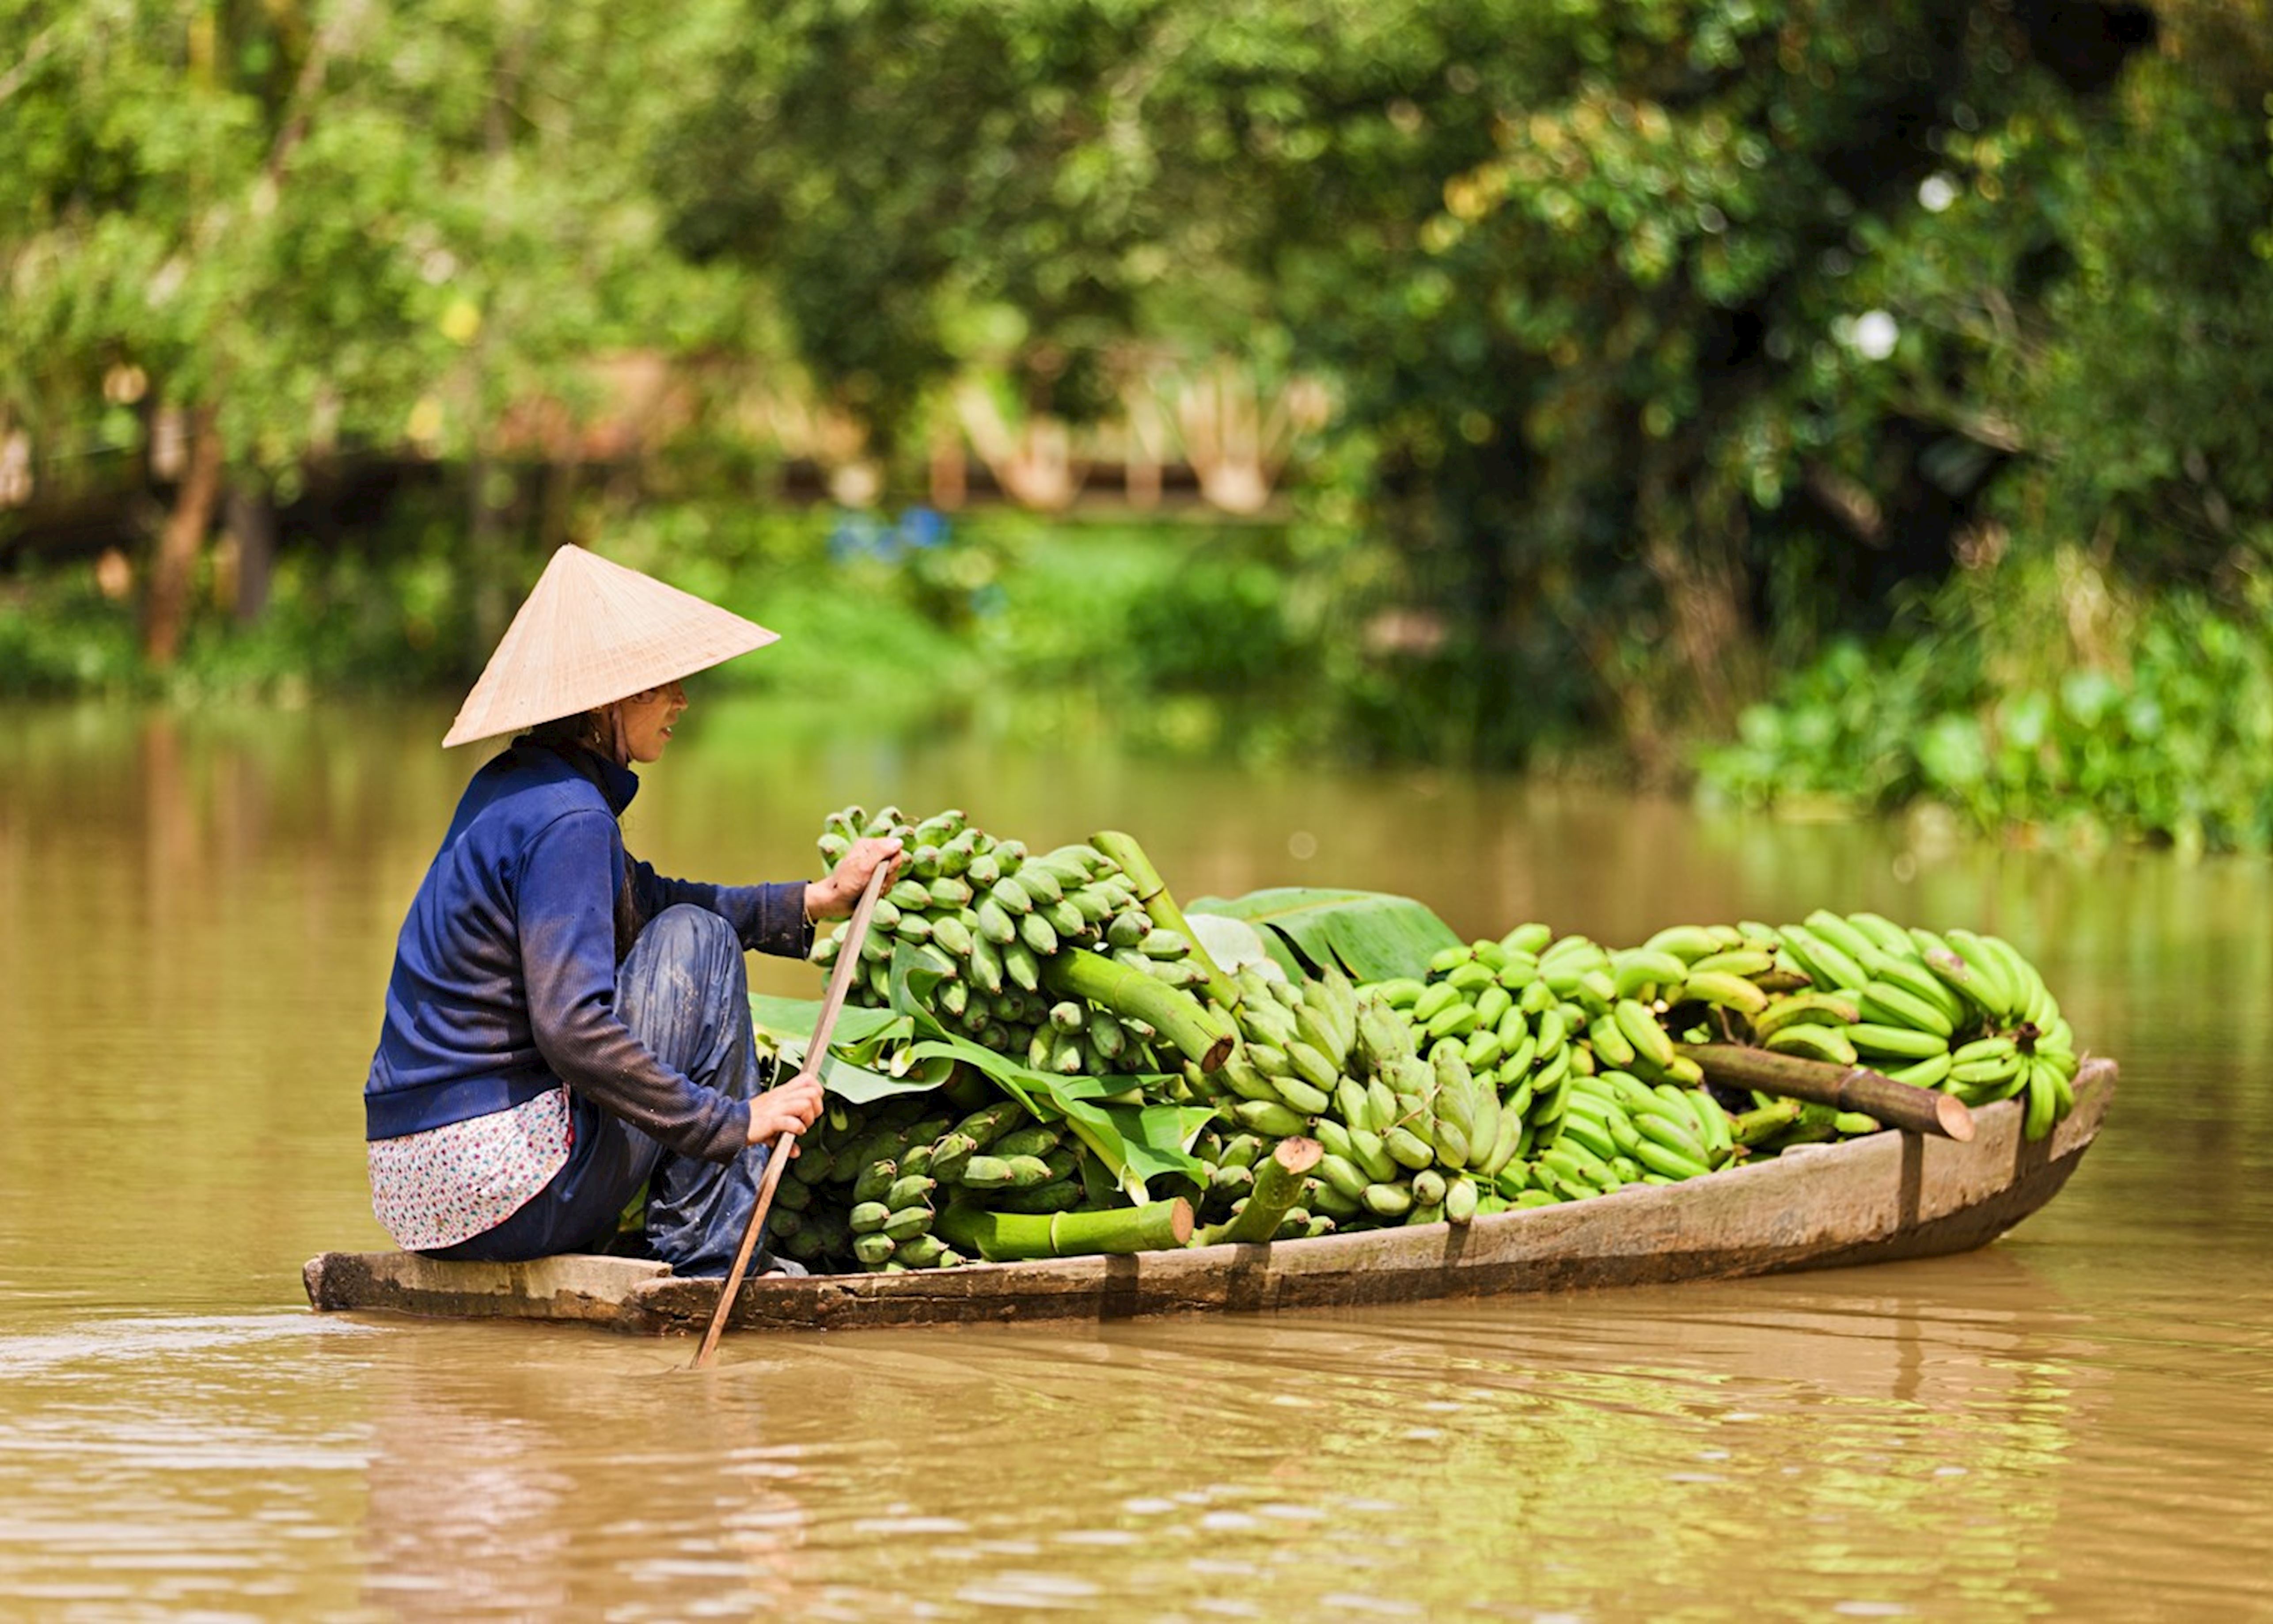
(988, 918)
(1229, 1160)
(868, 1191)
(1957, 1011)
(1617, 1130)
(1408, 1136)
(1516, 1073)
(1293, 1050)
(1538, 1068)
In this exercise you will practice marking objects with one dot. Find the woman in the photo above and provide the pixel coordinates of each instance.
(564, 1027)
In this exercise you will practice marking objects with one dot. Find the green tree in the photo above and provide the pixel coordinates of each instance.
(318, 227)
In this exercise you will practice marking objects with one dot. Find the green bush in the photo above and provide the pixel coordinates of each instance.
(2037, 697)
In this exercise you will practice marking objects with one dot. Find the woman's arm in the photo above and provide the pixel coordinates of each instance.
(772, 919)
(766, 918)
(565, 913)
(834, 898)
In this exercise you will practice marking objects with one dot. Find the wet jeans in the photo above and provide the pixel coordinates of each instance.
(684, 991)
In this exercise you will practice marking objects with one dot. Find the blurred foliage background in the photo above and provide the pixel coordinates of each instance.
(1815, 399)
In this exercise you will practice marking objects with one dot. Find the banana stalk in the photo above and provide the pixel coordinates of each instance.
(1016, 1237)
(1278, 1190)
(1160, 908)
(1843, 1088)
(1132, 994)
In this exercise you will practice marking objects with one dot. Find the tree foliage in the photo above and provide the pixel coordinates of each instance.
(1671, 339)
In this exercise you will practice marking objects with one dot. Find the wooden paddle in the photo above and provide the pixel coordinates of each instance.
(840, 982)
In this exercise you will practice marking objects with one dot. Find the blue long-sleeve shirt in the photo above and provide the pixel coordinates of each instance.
(505, 973)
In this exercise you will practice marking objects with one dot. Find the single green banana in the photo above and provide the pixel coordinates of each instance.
(1268, 1117)
(1989, 1070)
(1660, 1127)
(1829, 927)
(1805, 1009)
(1472, 978)
(1344, 1175)
(1388, 1200)
(1580, 1129)
(1671, 1163)
(1922, 982)
(1989, 981)
(1531, 938)
(1407, 1148)
(1371, 1154)
(1724, 991)
(1930, 1072)
(1888, 936)
(1824, 963)
(1436, 996)
(1888, 1005)
(1686, 942)
(1638, 969)
(1813, 1043)
(1642, 1032)
(1610, 1041)
(2042, 1108)
(1898, 1043)
(1745, 961)
(1311, 1066)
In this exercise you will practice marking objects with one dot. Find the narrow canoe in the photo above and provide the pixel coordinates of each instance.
(1872, 1200)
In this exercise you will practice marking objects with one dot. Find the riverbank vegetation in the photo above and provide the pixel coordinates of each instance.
(1827, 398)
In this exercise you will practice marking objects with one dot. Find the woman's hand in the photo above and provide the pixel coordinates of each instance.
(832, 898)
(791, 1108)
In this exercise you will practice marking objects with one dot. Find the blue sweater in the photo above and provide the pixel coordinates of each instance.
(505, 973)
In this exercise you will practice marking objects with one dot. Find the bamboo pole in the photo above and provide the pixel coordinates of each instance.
(1018, 1237)
(1278, 1190)
(1843, 1088)
(1176, 1016)
(1161, 910)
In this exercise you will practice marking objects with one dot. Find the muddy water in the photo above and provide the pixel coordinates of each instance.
(2073, 1423)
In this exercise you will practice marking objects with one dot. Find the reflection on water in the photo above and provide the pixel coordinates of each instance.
(199, 918)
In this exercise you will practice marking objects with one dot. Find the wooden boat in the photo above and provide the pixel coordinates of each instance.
(1887, 1196)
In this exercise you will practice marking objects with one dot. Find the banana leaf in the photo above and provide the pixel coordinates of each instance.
(1135, 1141)
(1372, 935)
(1234, 944)
(868, 1058)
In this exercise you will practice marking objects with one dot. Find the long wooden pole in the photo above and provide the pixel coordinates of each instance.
(840, 982)
(1843, 1088)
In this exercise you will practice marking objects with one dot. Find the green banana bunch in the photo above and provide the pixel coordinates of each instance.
(1515, 1072)
(987, 918)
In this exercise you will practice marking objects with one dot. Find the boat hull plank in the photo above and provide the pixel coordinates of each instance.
(1882, 1198)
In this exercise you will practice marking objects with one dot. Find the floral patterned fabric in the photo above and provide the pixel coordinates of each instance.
(449, 1184)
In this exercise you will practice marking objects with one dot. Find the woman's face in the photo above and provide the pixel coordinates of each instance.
(647, 720)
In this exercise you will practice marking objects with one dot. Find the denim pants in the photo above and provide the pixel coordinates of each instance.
(684, 991)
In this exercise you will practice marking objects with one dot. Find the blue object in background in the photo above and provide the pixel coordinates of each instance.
(861, 535)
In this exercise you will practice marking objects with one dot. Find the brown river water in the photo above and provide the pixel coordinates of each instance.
(2076, 1422)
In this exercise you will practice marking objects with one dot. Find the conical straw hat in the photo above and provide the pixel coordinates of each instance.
(591, 632)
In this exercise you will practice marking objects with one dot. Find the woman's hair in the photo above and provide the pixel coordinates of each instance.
(587, 727)
(600, 731)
